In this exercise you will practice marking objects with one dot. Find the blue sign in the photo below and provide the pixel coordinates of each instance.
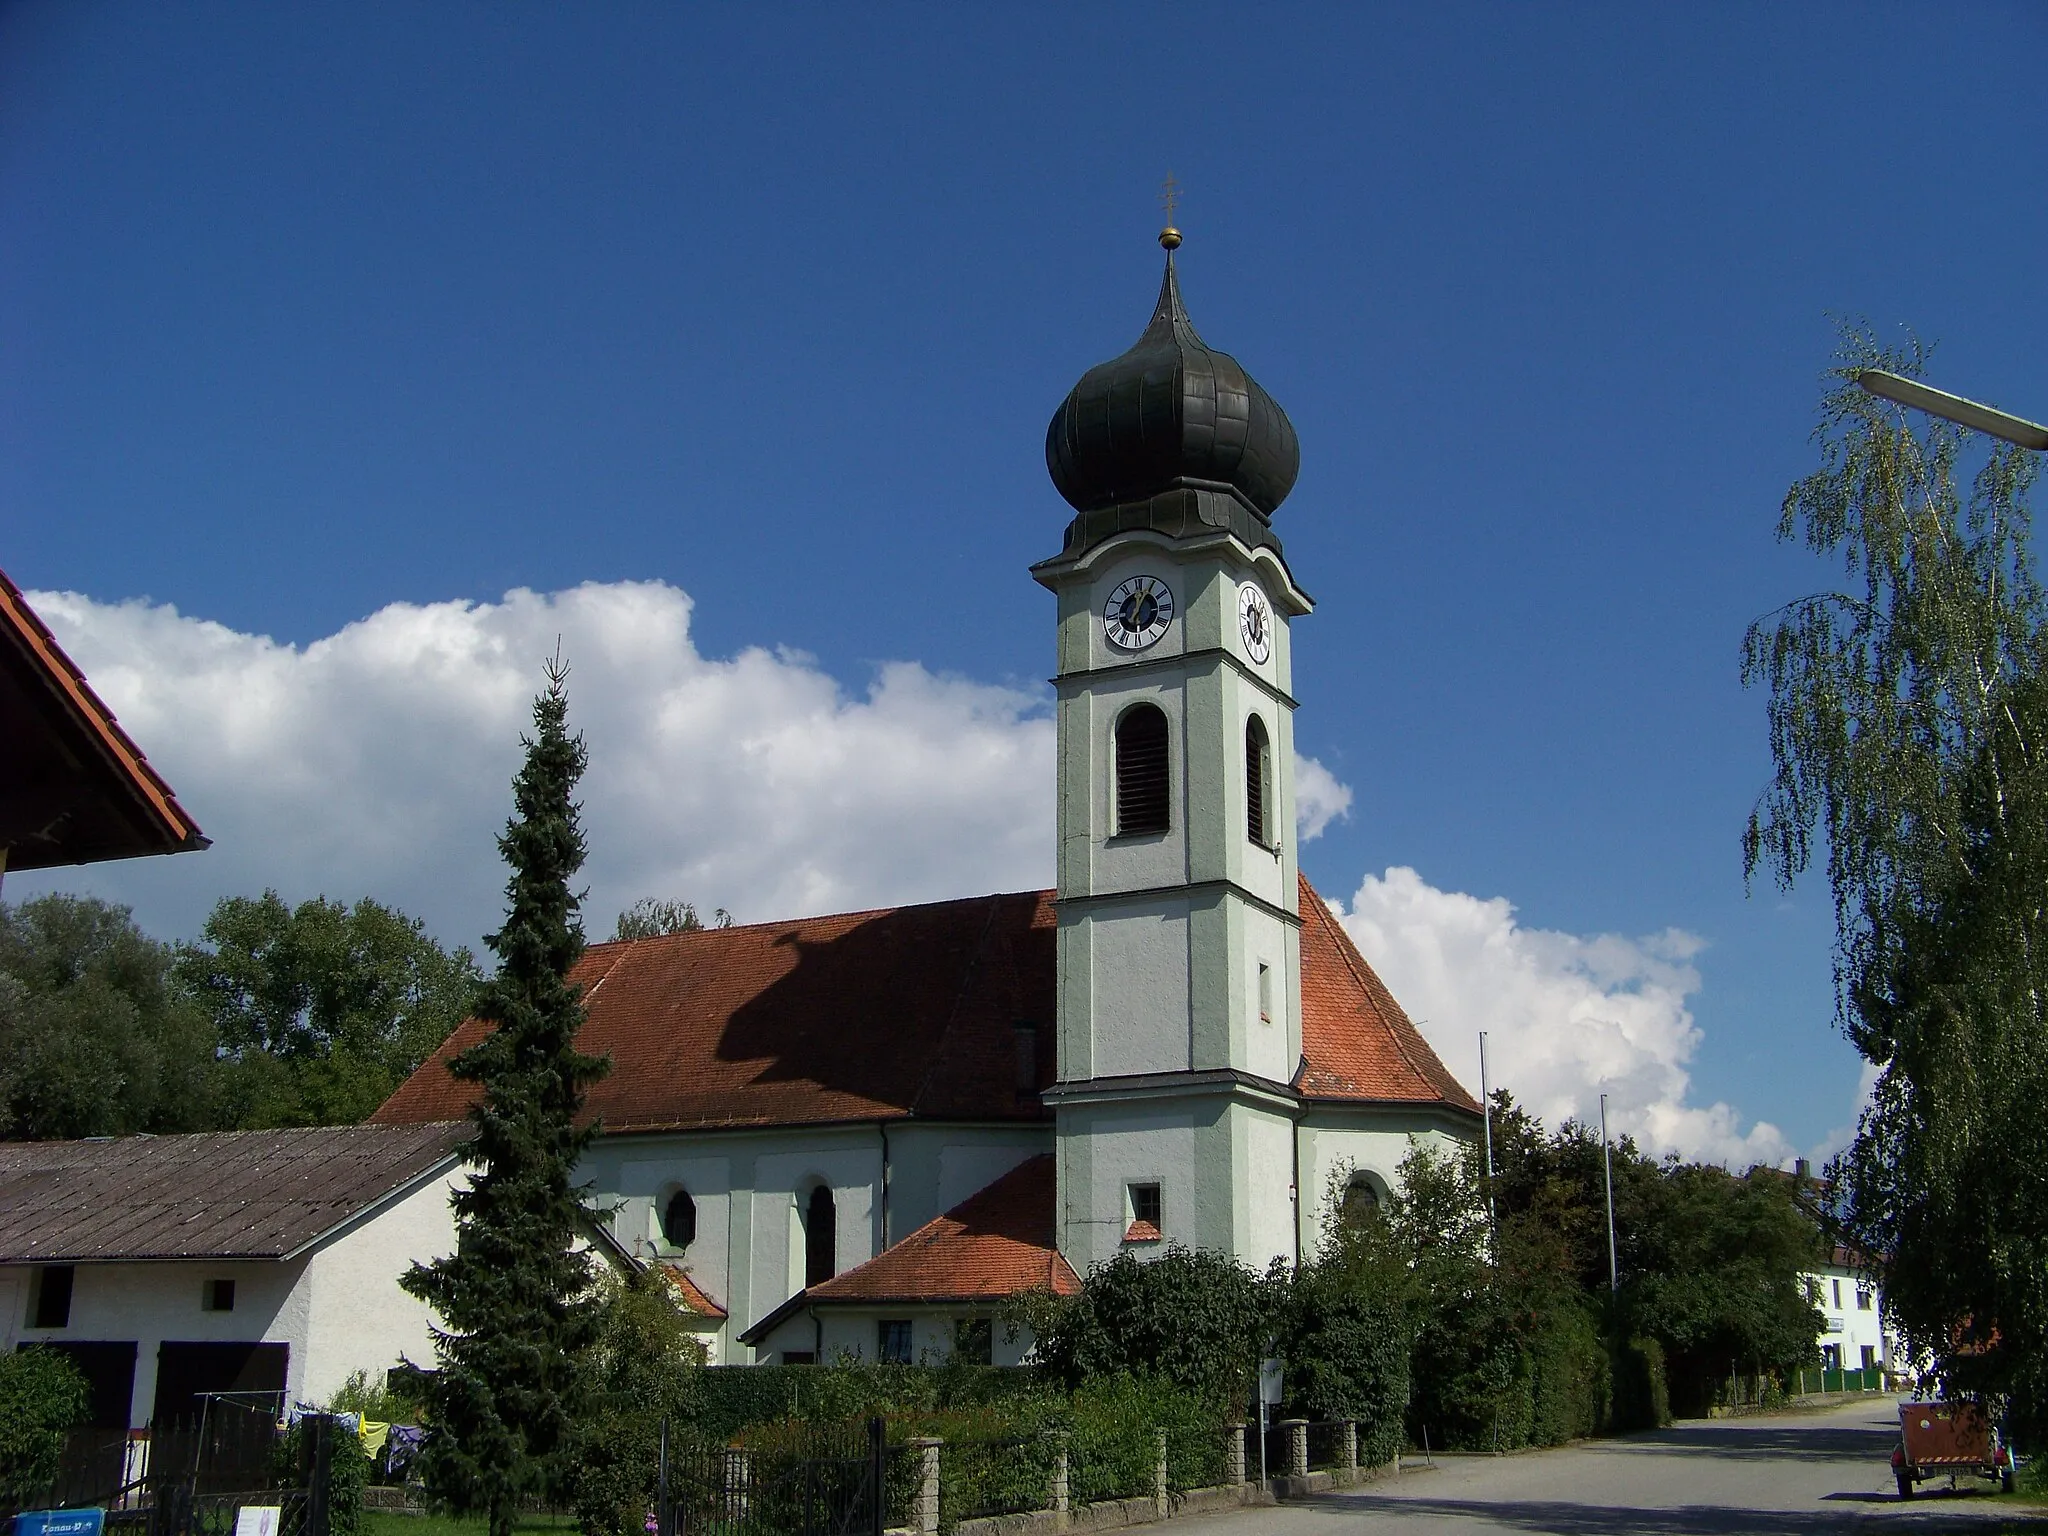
(60, 1522)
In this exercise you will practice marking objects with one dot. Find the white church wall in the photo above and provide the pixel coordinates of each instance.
(1335, 1143)
(1263, 1162)
(932, 1168)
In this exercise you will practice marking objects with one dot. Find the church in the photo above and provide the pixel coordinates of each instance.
(859, 1135)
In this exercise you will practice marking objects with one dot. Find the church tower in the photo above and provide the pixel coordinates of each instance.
(1179, 949)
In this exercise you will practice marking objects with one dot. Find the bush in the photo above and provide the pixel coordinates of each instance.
(1199, 1318)
(641, 1374)
(1346, 1348)
(348, 1468)
(733, 1397)
(1642, 1396)
(41, 1396)
(1570, 1382)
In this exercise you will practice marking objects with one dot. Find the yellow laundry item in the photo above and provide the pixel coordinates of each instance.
(373, 1436)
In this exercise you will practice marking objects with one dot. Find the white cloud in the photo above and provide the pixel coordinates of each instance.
(1319, 798)
(378, 761)
(1567, 1017)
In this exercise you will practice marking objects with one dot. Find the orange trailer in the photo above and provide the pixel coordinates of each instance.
(1948, 1439)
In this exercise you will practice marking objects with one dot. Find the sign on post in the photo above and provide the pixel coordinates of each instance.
(60, 1522)
(257, 1519)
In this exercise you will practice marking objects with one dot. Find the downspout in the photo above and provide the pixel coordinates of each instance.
(817, 1337)
(1295, 1133)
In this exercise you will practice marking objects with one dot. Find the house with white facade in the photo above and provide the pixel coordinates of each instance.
(258, 1263)
(1853, 1335)
(859, 1134)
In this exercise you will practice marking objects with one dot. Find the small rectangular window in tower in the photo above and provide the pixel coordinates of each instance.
(1837, 1285)
(1265, 993)
(53, 1297)
(894, 1341)
(1147, 1225)
(218, 1296)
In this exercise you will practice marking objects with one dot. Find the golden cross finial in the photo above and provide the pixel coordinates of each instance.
(1169, 199)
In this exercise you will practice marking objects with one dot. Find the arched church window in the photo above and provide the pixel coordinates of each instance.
(1141, 773)
(1360, 1203)
(1258, 782)
(679, 1220)
(821, 1237)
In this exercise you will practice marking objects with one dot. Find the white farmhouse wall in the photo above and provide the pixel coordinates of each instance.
(358, 1318)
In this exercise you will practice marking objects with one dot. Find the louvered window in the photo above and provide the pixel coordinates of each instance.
(1258, 779)
(1141, 776)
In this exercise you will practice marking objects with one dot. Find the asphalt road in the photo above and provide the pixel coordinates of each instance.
(1790, 1474)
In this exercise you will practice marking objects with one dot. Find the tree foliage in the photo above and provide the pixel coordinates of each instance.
(1197, 1318)
(321, 1010)
(653, 916)
(1907, 728)
(42, 1394)
(642, 1373)
(96, 1039)
(516, 1297)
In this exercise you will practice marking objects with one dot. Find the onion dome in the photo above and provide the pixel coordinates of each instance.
(1173, 436)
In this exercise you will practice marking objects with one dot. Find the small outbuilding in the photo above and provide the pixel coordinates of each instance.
(247, 1262)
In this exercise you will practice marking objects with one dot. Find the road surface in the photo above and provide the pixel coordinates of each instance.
(1789, 1475)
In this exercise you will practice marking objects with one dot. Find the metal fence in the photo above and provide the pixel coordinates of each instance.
(818, 1481)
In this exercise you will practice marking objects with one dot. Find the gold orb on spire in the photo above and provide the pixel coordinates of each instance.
(1169, 199)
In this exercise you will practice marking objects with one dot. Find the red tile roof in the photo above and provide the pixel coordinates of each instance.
(73, 788)
(899, 1012)
(1143, 1232)
(1356, 1041)
(996, 1243)
(694, 1298)
(861, 1016)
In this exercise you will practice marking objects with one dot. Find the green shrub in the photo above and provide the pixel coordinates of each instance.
(1570, 1376)
(348, 1468)
(1346, 1346)
(1642, 1396)
(642, 1372)
(41, 1396)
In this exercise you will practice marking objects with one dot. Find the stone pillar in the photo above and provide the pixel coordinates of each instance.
(1159, 1475)
(1297, 1446)
(1061, 1488)
(1233, 1455)
(1351, 1445)
(926, 1510)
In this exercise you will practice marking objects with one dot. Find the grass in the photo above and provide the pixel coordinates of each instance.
(384, 1522)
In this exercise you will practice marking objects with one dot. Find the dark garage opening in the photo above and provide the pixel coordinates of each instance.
(184, 1372)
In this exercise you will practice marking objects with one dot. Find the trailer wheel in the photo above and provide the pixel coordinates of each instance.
(1905, 1485)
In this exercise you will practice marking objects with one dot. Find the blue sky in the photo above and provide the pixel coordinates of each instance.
(309, 311)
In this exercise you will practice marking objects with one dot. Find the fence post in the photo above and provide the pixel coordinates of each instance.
(1351, 1446)
(927, 1511)
(1233, 1455)
(321, 1427)
(1061, 1487)
(1297, 1446)
(1159, 1474)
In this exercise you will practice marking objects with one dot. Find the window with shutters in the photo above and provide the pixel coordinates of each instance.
(1142, 781)
(1258, 783)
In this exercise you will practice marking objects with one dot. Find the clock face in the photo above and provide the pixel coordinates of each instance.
(1255, 621)
(1137, 613)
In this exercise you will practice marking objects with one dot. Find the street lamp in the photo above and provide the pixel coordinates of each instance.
(1965, 413)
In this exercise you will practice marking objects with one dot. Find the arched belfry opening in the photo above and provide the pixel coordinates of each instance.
(821, 1236)
(1143, 780)
(1258, 783)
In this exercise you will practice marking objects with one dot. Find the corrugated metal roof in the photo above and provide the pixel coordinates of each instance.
(225, 1195)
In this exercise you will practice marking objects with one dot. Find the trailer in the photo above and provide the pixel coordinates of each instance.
(1952, 1440)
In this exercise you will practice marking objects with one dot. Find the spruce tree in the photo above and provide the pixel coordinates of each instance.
(515, 1298)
